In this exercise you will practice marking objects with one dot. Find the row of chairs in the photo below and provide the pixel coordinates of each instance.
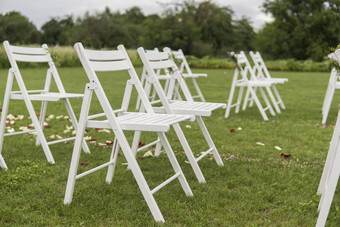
(174, 105)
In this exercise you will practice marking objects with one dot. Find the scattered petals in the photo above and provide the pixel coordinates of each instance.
(87, 138)
(124, 164)
(45, 123)
(47, 126)
(188, 126)
(259, 143)
(69, 127)
(102, 144)
(93, 142)
(66, 117)
(20, 117)
(148, 154)
(74, 132)
(66, 130)
(187, 161)
(59, 137)
(97, 129)
(278, 148)
(11, 130)
(84, 163)
(52, 136)
(59, 117)
(141, 158)
(23, 128)
(10, 117)
(104, 130)
(239, 128)
(232, 130)
(51, 116)
(92, 139)
(282, 155)
(108, 142)
(140, 144)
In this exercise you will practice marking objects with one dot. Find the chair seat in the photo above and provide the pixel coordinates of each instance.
(192, 108)
(50, 96)
(194, 75)
(257, 83)
(276, 80)
(143, 121)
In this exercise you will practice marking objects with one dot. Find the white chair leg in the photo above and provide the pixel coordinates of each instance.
(158, 149)
(77, 145)
(327, 104)
(271, 110)
(258, 103)
(189, 154)
(239, 99)
(198, 90)
(278, 97)
(210, 142)
(41, 119)
(113, 159)
(175, 164)
(4, 115)
(135, 142)
(272, 98)
(252, 100)
(75, 123)
(246, 100)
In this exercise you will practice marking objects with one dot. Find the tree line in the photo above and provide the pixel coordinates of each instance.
(302, 29)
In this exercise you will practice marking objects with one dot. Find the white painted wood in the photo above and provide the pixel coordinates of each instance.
(28, 54)
(142, 121)
(249, 81)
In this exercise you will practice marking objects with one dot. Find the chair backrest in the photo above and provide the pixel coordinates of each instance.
(161, 61)
(109, 61)
(184, 67)
(31, 54)
(259, 65)
(244, 66)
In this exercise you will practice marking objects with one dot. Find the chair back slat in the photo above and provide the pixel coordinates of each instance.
(31, 58)
(162, 64)
(156, 56)
(103, 55)
(105, 66)
(29, 50)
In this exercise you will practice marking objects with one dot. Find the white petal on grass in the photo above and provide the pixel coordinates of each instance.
(11, 130)
(74, 132)
(10, 117)
(66, 117)
(52, 136)
(259, 143)
(59, 137)
(102, 144)
(188, 126)
(87, 137)
(69, 127)
(20, 117)
(148, 154)
(59, 117)
(104, 130)
(124, 164)
(23, 128)
(239, 128)
(278, 148)
(51, 116)
(66, 130)
(45, 123)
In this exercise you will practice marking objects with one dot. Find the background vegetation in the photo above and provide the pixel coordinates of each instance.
(300, 30)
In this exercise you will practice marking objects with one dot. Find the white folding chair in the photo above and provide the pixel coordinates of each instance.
(27, 54)
(110, 61)
(244, 69)
(333, 84)
(160, 61)
(262, 73)
(187, 74)
(330, 176)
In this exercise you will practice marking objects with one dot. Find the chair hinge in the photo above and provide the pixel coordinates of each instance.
(92, 85)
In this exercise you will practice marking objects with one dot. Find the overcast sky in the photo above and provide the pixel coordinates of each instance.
(40, 11)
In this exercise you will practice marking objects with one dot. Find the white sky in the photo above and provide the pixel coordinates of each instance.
(40, 11)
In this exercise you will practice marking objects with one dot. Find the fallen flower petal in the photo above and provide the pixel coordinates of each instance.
(188, 126)
(10, 117)
(92, 139)
(11, 130)
(259, 143)
(140, 144)
(51, 116)
(84, 163)
(148, 154)
(239, 128)
(124, 164)
(108, 142)
(97, 129)
(74, 132)
(66, 117)
(59, 117)
(52, 136)
(87, 138)
(141, 158)
(102, 144)
(20, 117)
(47, 126)
(278, 148)
(66, 130)
(69, 127)
(282, 155)
(104, 130)
(232, 130)
(59, 137)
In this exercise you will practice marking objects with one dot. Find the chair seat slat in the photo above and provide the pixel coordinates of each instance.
(31, 58)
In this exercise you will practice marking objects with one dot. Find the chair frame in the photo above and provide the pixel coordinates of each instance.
(27, 54)
(161, 61)
(333, 84)
(244, 69)
(92, 62)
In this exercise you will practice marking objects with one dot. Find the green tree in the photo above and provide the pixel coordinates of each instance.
(301, 29)
(17, 28)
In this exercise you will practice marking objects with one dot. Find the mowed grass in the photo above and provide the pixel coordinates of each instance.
(255, 187)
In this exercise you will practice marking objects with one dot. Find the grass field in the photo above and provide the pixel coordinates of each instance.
(255, 188)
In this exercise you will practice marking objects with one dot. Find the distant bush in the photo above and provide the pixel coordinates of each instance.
(68, 58)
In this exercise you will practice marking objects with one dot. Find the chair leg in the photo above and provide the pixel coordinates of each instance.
(158, 149)
(239, 99)
(189, 154)
(258, 103)
(271, 96)
(135, 142)
(271, 110)
(246, 100)
(4, 114)
(77, 146)
(75, 122)
(41, 119)
(175, 164)
(278, 97)
(210, 142)
(251, 104)
(113, 159)
(198, 90)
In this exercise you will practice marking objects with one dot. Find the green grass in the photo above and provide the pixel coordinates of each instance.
(256, 188)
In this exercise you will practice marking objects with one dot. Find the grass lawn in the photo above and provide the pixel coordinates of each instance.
(256, 188)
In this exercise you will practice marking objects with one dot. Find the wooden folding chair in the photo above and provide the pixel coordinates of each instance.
(110, 61)
(187, 74)
(333, 84)
(27, 54)
(248, 80)
(262, 73)
(160, 61)
(330, 176)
